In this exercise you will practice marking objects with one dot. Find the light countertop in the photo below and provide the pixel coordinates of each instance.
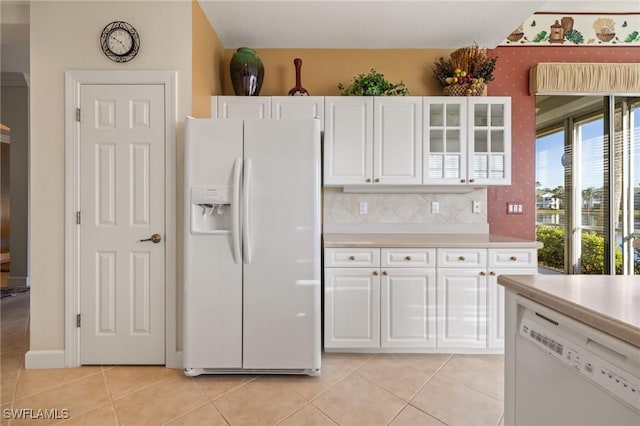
(607, 303)
(426, 240)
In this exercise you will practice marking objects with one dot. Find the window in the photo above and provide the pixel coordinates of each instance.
(588, 185)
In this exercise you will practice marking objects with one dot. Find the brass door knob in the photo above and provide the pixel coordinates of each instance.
(155, 238)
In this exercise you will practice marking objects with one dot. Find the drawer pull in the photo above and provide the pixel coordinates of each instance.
(461, 258)
(368, 180)
(462, 180)
(513, 258)
(375, 273)
(483, 273)
(493, 274)
(352, 258)
(377, 180)
(384, 273)
(408, 258)
(472, 180)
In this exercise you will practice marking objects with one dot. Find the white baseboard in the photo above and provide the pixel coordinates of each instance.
(44, 359)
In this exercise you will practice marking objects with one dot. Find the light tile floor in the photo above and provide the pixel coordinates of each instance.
(354, 389)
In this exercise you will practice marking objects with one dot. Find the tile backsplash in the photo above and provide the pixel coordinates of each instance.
(404, 212)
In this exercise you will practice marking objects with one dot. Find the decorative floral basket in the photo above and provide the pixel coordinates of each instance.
(466, 89)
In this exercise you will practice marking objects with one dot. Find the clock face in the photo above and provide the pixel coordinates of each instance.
(119, 41)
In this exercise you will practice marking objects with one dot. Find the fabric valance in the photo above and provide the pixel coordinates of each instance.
(584, 78)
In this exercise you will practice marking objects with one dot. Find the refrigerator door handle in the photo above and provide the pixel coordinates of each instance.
(235, 211)
(246, 188)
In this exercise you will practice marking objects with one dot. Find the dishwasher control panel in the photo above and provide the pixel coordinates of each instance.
(545, 334)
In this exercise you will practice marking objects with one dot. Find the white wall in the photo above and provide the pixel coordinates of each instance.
(65, 35)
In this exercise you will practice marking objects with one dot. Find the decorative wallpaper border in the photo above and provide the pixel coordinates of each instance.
(584, 29)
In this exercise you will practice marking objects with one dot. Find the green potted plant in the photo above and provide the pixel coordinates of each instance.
(372, 84)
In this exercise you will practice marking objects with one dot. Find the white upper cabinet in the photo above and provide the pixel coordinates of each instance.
(467, 140)
(445, 142)
(397, 140)
(490, 140)
(348, 140)
(246, 107)
(298, 107)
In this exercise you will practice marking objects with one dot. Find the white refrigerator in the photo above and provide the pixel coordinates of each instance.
(252, 247)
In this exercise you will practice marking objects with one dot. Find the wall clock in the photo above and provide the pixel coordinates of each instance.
(119, 41)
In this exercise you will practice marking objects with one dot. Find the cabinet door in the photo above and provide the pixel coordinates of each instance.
(496, 304)
(298, 107)
(351, 308)
(245, 107)
(397, 140)
(445, 140)
(462, 308)
(348, 140)
(489, 122)
(408, 308)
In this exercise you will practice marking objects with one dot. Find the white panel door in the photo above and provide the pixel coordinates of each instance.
(351, 308)
(408, 308)
(122, 187)
(397, 140)
(298, 107)
(244, 107)
(281, 243)
(495, 305)
(462, 308)
(348, 140)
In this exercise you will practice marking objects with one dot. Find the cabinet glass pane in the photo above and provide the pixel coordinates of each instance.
(452, 166)
(480, 166)
(435, 166)
(453, 141)
(480, 115)
(497, 141)
(480, 141)
(436, 141)
(436, 115)
(496, 166)
(497, 115)
(453, 115)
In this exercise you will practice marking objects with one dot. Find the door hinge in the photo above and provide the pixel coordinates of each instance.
(78, 320)
(77, 114)
(78, 217)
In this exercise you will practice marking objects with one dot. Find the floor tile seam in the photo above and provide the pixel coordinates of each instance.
(393, 393)
(83, 412)
(331, 387)
(325, 413)
(186, 413)
(426, 353)
(296, 411)
(397, 414)
(429, 414)
(147, 386)
(380, 387)
(28, 395)
(468, 386)
(229, 391)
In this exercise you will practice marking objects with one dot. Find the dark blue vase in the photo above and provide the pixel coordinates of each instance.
(247, 72)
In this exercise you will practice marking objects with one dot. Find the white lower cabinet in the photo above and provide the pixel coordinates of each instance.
(407, 308)
(462, 308)
(444, 299)
(352, 308)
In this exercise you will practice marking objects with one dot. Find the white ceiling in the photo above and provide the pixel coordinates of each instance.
(359, 24)
(364, 24)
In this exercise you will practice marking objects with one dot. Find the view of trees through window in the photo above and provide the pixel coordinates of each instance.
(581, 204)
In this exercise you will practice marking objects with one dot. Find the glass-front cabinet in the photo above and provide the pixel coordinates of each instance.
(467, 140)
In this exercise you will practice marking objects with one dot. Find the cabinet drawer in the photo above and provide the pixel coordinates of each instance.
(513, 258)
(408, 258)
(462, 258)
(354, 257)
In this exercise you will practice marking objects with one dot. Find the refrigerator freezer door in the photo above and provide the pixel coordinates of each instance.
(281, 318)
(212, 278)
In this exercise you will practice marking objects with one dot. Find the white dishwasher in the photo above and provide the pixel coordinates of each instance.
(567, 373)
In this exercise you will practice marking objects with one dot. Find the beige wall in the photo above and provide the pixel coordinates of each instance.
(208, 59)
(323, 69)
(64, 35)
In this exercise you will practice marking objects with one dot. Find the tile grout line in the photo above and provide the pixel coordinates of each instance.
(142, 388)
(425, 385)
(109, 394)
(56, 386)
